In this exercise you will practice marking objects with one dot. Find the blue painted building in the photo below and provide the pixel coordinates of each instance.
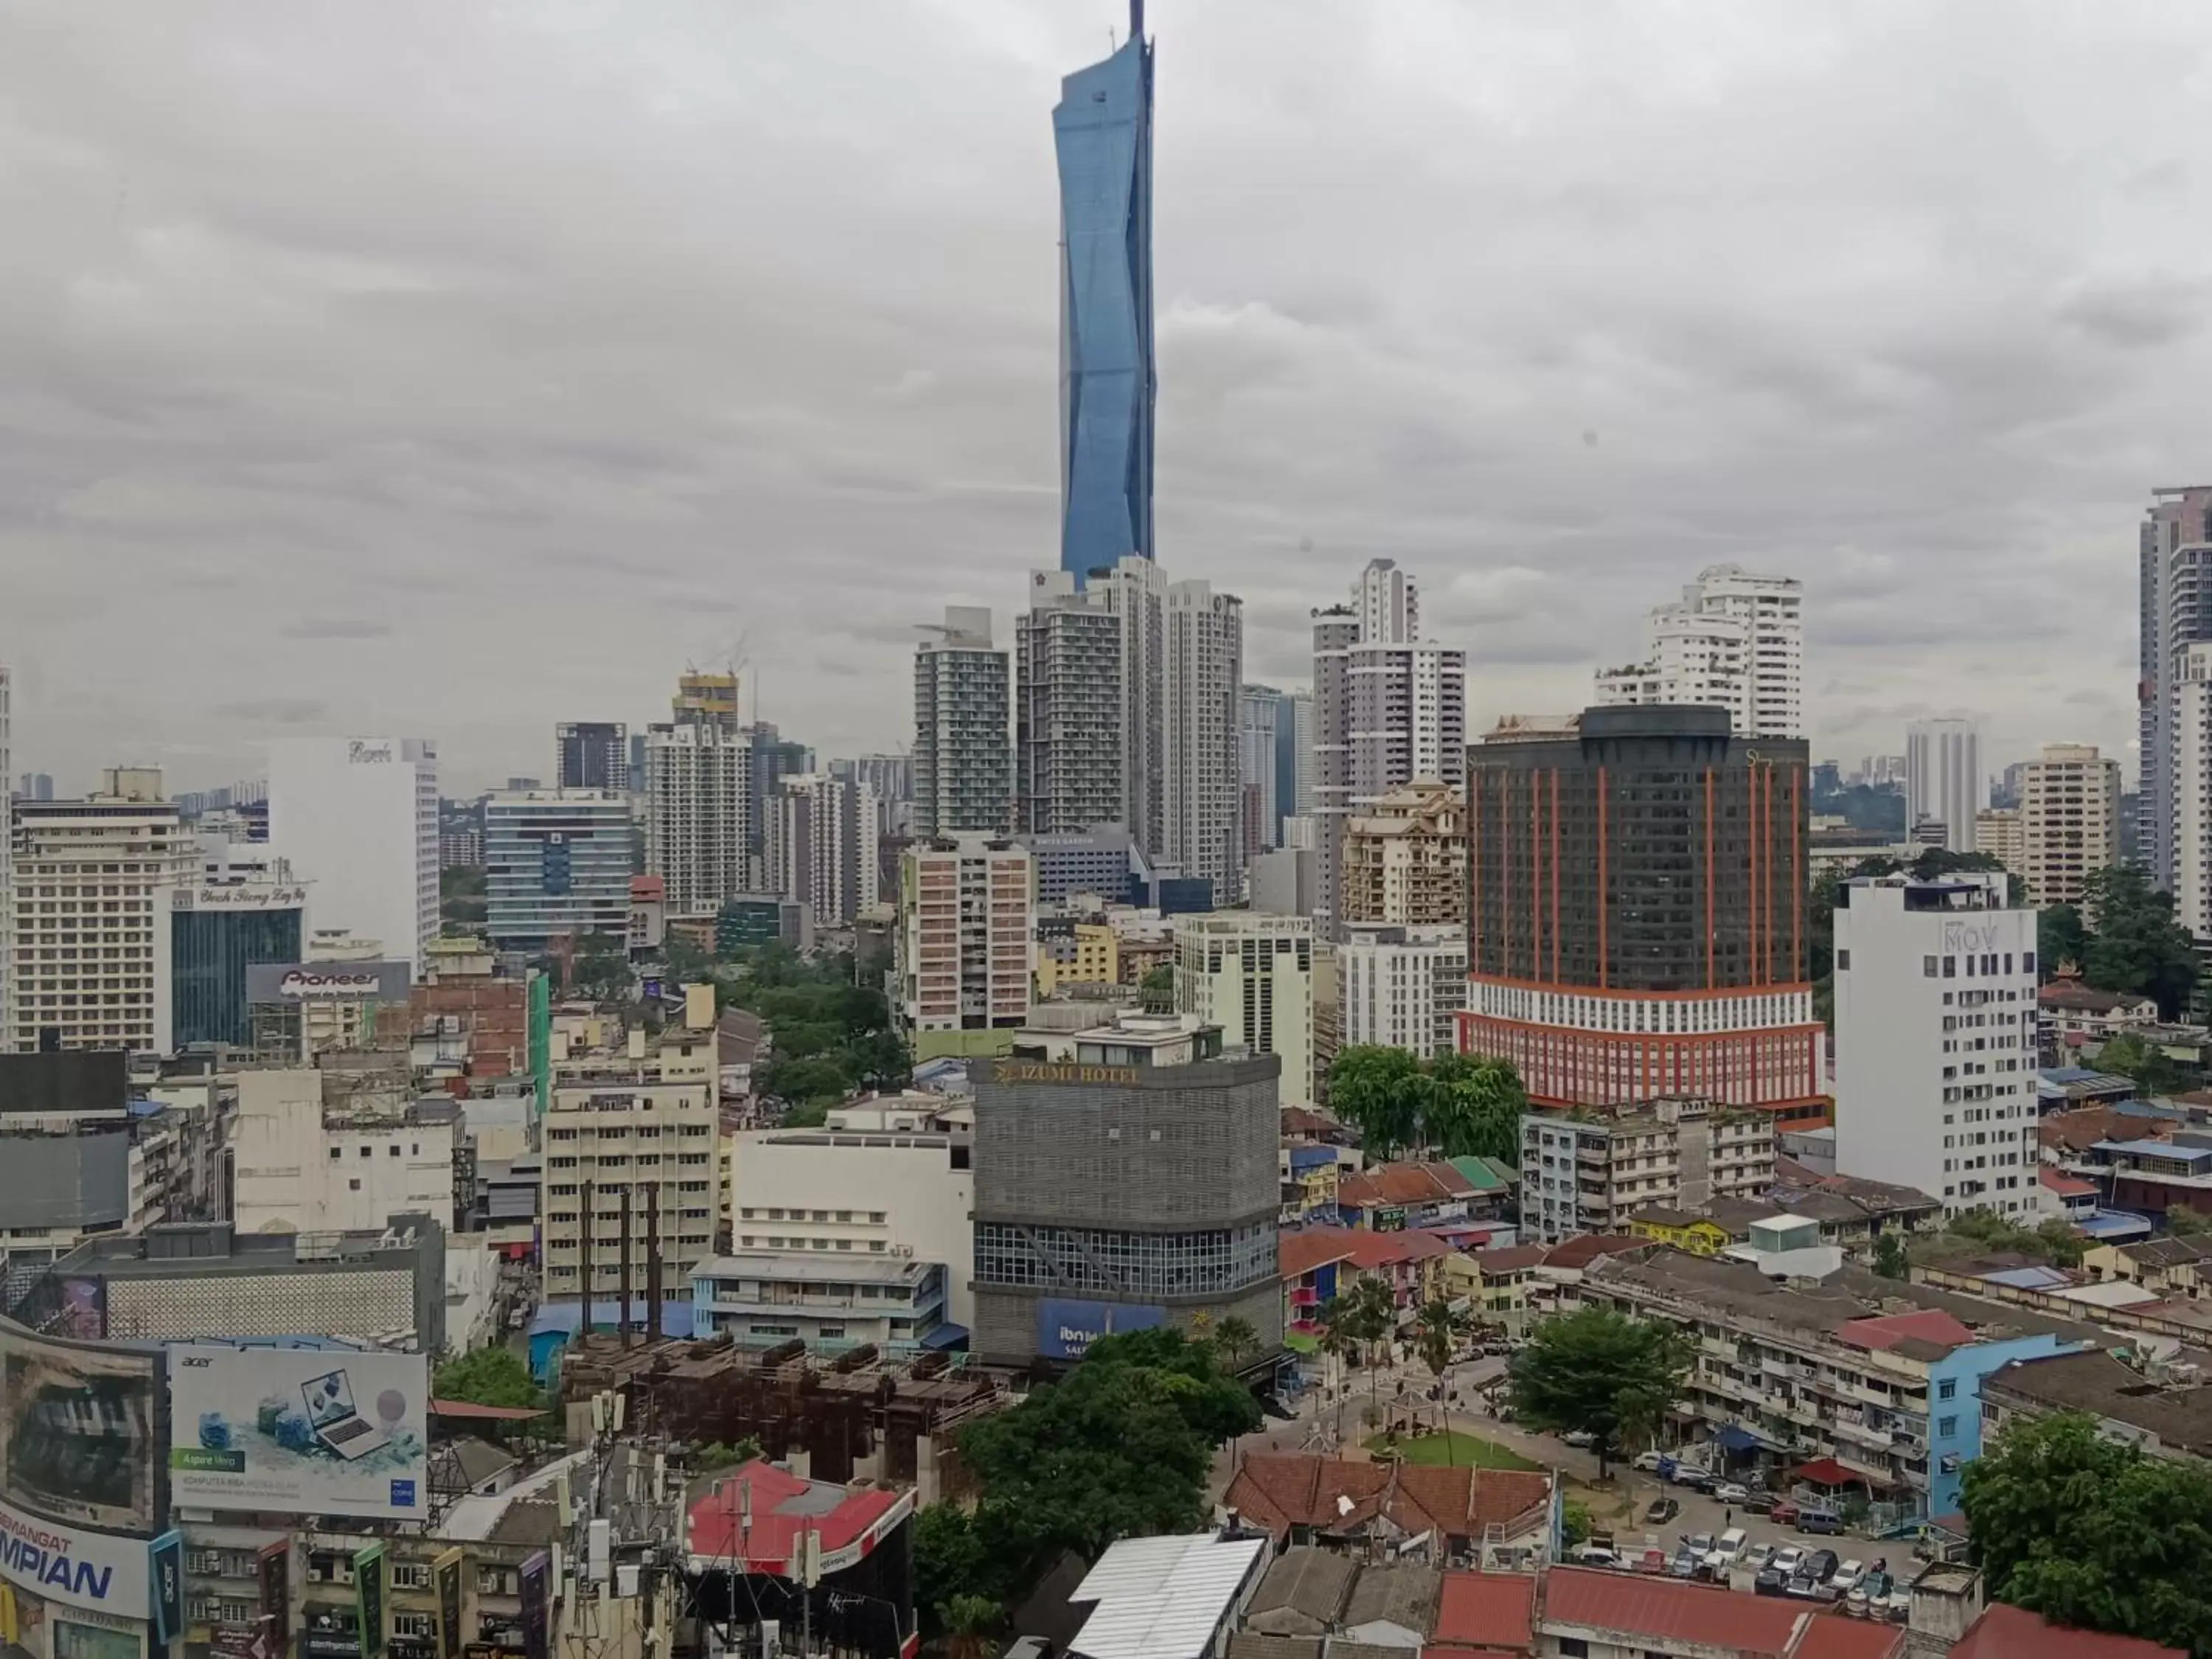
(1954, 1407)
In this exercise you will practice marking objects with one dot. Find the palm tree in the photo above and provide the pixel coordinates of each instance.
(1337, 1341)
(1234, 1338)
(969, 1621)
(1440, 1329)
(1371, 1315)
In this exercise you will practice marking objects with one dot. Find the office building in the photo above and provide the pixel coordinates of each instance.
(1126, 1176)
(1103, 135)
(358, 817)
(34, 785)
(961, 961)
(1388, 706)
(1105, 861)
(233, 918)
(1402, 987)
(701, 795)
(1735, 641)
(1251, 976)
(1944, 783)
(1589, 1175)
(339, 1149)
(2070, 812)
(635, 1175)
(824, 845)
(1936, 1042)
(964, 751)
(592, 755)
(1997, 834)
(896, 1304)
(1202, 797)
(1265, 766)
(2174, 606)
(95, 885)
(302, 1008)
(1405, 859)
(556, 865)
(1637, 922)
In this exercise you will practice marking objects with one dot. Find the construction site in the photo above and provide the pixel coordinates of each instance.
(857, 1416)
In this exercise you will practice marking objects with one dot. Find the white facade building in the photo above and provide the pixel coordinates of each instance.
(967, 908)
(825, 846)
(1400, 987)
(1252, 976)
(1301, 804)
(95, 885)
(1202, 791)
(838, 1193)
(1936, 1056)
(698, 786)
(1388, 706)
(2189, 774)
(358, 817)
(1735, 640)
(964, 752)
(1943, 779)
(300, 1165)
(2069, 820)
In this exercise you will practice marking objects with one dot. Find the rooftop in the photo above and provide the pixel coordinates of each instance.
(783, 1505)
(1487, 1610)
(1646, 1612)
(1163, 1598)
(2096, 1382)
(1402, 1593)
(1277, 1491)
(1308, 1581)
(2004, 1632)
(1404, 1183)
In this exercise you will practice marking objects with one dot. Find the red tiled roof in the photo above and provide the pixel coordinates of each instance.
(1280, 1491)
(1885, 1331)
(1510, 1260)
(1404, 1183)
(849, 1518)
(2004, 1632)
(2070, 993)
(2066, 1186)
(1652, 1613)
(1586, 1248)
(1299, 1253)
(1828, 1637)
(1486, 1610)
(1461, 1502)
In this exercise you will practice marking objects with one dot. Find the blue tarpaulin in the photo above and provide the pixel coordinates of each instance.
(1731, 1438)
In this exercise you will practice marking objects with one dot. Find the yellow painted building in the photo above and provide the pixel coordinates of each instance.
(1698, 1235)
(1092, 957)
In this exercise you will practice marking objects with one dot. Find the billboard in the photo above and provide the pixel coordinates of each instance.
(299, 1430)
(164, 1559)
(318, 982)
(76, 1433)
(1065, 1329)
(73, 1567)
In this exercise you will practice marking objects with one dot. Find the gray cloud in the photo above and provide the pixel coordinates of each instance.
(569, 343)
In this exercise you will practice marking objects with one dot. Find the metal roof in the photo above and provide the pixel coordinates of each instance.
(1163, 1598)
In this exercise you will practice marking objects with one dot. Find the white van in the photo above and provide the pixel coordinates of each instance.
(1724, 1553)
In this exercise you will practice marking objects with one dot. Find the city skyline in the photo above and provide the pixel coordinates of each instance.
(452, 412)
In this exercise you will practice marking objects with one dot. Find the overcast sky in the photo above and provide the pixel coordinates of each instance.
(452, 369)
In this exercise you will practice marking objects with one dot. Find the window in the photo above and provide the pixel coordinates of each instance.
(337, 1151)
(1844, 960)
(1928, 967)
(1573, 1647)
(1946, 1427)
(1948, 1389)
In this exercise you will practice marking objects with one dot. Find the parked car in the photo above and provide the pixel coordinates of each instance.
(1597, 1555)
(1685, 1564)
(1770, 1581)
(1274, 1405)
(1821, 1564)
(1821, 1521)
(1650, 1462)
(1788, 1559)
(1728, 1491)
(1660, 1511)
(1696, 1480)
(1756, 1559)
(1759, 1502)
(1783, 1513)
(1582, 1437)
(1847, 1577)
(1724, 1552)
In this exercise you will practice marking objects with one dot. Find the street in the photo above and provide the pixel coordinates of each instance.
(1617, 1505)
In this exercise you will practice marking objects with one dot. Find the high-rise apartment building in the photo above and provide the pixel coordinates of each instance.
(1997, 834)
(702, 798)
(1201, 796)
(2188, 781)
(2070, 812)
(963, 755)
(1300, 802)
(1636, 923)
(95, 885)
(1103, 132)
(592, 755)
(1388, 706)
(33, 786)
(1402, 987)
(1936, 1056)
(1405, 859)
(1735, 641)
(1068, 735)
(358, 818)
(826, 844)
(1261, 713)
(1943, 779)
(1252, 974)
(967, 905)
(2174, 611)
(556, 864)
(1126, 1177)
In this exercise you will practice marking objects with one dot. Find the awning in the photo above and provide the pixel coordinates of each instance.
(947, 1335)
(1732, 1438)
(1826, 1472)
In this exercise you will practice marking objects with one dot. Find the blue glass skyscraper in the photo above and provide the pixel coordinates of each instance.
(1103, 131)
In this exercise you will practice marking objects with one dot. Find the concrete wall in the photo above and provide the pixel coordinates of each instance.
(293, 1174)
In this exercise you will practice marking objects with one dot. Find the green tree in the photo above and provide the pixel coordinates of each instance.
(1473, 1106)
(2060, 939)
(2092, 1534)
(2145, 1064)
(599, 967)
(1576, 1523)
(968, 1622)
(2137, 947)
(1234, 1338)
(1889, 1257)
(488, 1377)
(1602, 1372)
(2183, 1222)
(1380, 1092)
(1361, 1319)
(1439, 1329)
(1159, 979)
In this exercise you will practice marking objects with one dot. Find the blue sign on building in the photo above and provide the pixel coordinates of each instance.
(1065, 1330)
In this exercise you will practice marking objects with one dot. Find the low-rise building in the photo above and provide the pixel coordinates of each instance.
(2071, 1016)
(1590, 1175)
(341, 1147)
(2167, 1412)
(1416, 1513)
(763, 1297)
